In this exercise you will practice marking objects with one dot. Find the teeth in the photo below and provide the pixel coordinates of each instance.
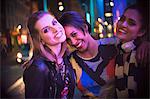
(122, 31)
(79, 44)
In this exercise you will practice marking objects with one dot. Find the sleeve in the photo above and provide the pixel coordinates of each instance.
(108, 51)
(76, 67)
(34, 80)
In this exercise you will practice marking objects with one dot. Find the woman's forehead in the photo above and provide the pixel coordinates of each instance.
(133, 14)
(44, 21)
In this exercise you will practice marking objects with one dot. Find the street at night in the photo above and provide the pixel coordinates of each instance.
(110, 40)
(11, 76)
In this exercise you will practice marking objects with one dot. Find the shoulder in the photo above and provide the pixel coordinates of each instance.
(108, 50)
(38, 66)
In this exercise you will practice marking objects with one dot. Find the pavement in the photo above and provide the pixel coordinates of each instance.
(12, 85)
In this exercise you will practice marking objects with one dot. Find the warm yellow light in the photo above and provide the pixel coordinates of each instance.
(100, 20)
(60, 3)
(109, 27)
(100, 28)
(95, 30)
(101, 35)
(19, 60)
(106, 23)
(109, 35)
(19, 55)
(108, 14)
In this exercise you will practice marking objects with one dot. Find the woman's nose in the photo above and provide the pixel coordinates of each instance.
(54, 30)
(73, 41)
(124, 23)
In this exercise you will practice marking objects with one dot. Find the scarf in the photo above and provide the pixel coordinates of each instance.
(125, 71)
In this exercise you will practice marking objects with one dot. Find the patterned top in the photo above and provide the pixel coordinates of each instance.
(95, 77)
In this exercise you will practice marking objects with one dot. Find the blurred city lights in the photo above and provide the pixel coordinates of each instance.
(95, 30)
(108, 14)
(109, 35)
(100, 20)
(101, 35)
(111, 4)
(118, 18)
(61, 8)
(109, 27)
(106, 23)
(19, 55)
(100, 28)
(88, 17)
(19, 60)
(19, 26)
(60, 3)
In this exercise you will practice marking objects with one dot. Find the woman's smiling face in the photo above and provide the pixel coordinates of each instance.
(50, 30)
(76, 38)
(129, 26)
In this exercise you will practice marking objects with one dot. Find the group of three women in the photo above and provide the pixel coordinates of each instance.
(97, 70)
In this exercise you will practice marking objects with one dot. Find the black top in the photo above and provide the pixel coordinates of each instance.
(43, 81)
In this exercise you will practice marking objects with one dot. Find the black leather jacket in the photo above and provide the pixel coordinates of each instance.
(43, 81)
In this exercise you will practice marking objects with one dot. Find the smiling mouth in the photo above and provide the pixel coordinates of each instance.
(79, 44)
(122, 31)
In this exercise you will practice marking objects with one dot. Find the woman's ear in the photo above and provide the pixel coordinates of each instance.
(86, 28)
(141, 33)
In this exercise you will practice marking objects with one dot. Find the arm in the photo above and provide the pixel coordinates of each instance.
(34, 80)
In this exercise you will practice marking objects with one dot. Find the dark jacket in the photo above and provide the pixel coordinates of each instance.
(43, 81)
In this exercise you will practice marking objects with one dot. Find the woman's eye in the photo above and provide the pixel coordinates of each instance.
(46, 30)
(74, 34)
(131, 22)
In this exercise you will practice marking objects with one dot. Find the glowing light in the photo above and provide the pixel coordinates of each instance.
(109, 27)
(100, 20)
(88, 17)
(106, 23)
(111, 4)
(19, 60)
(61, 8)
(109, 35)
(95, 30)
(19, 55)
(100, 28)
(19, 26)
(108, 14)
(101, 35)
(118, 18)
(60, 3)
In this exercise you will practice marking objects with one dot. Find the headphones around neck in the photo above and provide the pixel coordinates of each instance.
(128, 46)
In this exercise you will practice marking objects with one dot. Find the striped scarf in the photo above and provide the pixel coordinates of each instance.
(125, 71)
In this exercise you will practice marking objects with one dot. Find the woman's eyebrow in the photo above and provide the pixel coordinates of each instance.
(132, 20)
(44, 27)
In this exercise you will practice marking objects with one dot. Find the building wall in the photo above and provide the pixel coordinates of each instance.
(16, 12)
